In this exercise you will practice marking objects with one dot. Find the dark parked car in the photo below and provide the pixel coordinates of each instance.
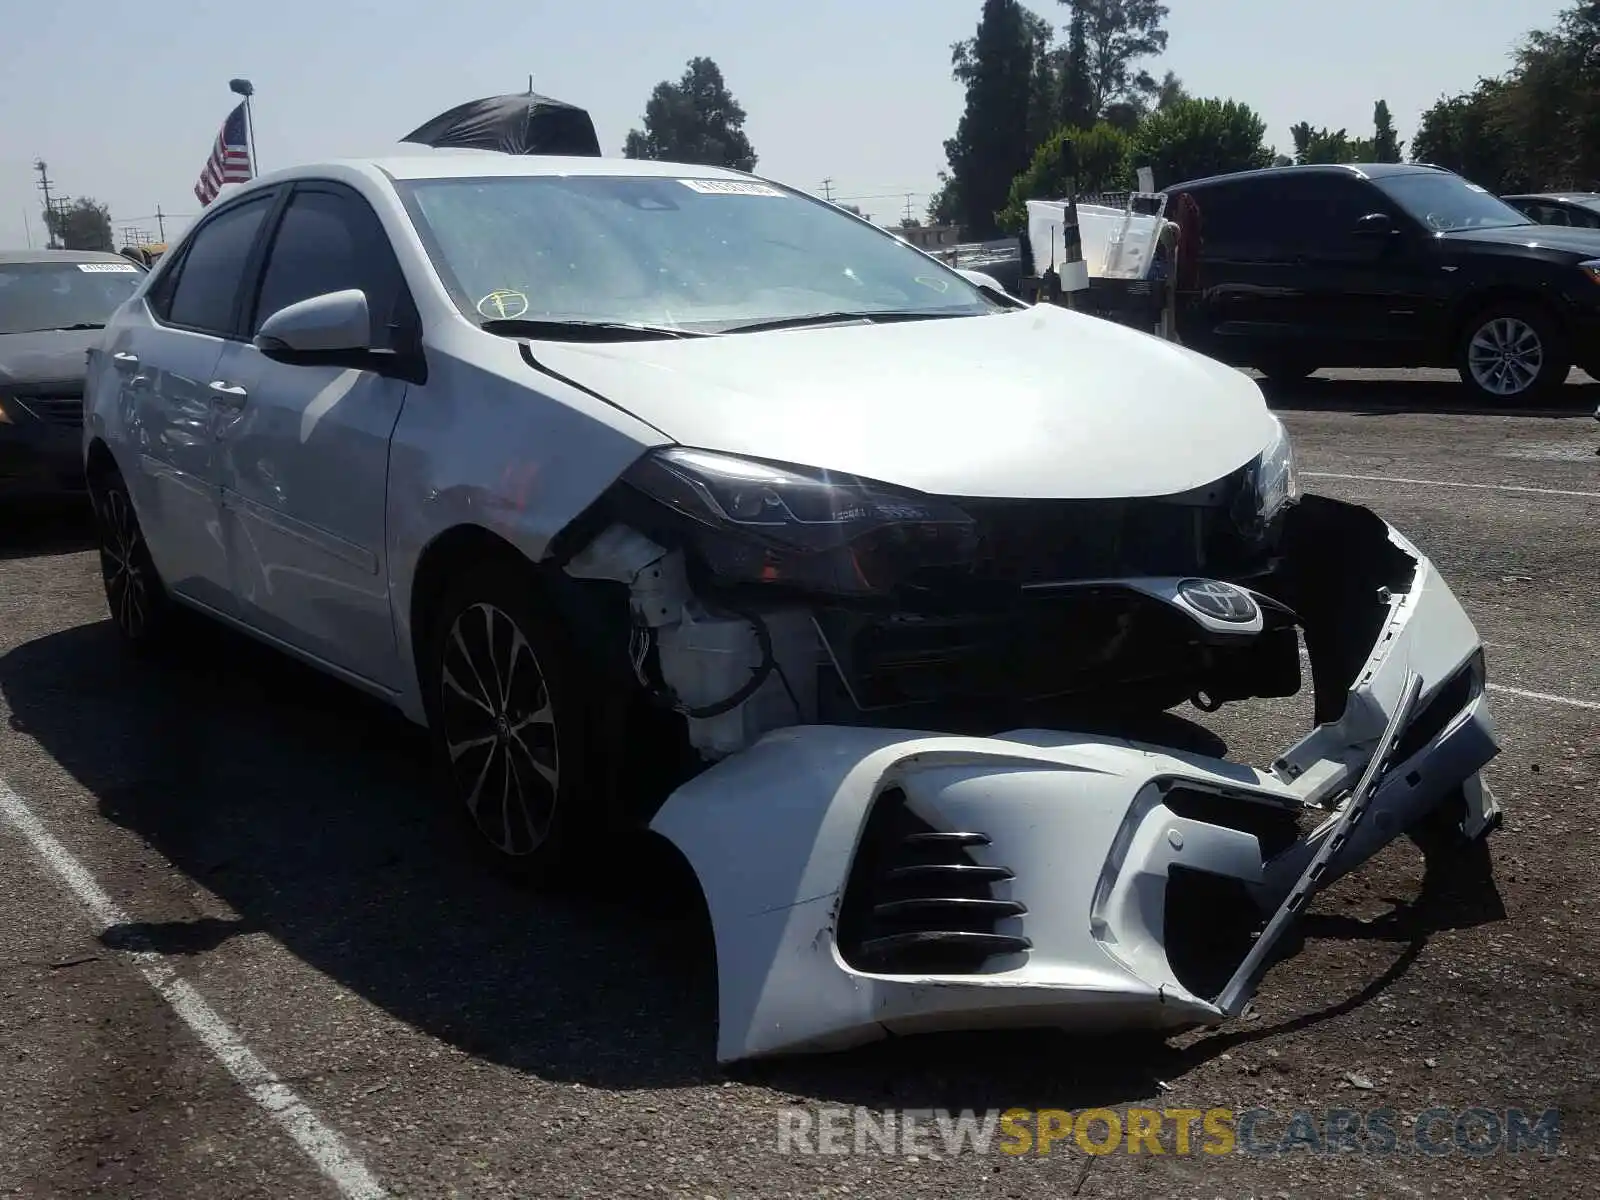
(53, 305)
(1385, 265)
(1581, 210)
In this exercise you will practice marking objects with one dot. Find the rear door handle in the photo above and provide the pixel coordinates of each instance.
(125, 361)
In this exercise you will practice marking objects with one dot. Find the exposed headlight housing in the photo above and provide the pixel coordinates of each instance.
(1275, 480)
(757, 522)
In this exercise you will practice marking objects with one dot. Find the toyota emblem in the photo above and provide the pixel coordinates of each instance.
(1219, 601)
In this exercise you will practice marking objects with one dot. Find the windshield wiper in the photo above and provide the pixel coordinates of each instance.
(577, 331)
(872, 317)
(66, 328)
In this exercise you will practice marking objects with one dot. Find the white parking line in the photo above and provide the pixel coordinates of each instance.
(1484, 487)
(1544, 696)
(320, 1144)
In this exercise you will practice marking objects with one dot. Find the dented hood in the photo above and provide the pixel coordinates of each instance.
(1036, 403)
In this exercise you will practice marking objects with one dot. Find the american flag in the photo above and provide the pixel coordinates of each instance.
(230, 158)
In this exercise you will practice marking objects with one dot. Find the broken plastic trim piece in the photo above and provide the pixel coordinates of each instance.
(1239, 989)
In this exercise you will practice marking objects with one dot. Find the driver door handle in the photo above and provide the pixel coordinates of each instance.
(227, 395)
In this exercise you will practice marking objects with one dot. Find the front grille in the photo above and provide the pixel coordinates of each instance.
(917, 902)
(1081, 642)
(1045, 541)
(65, 409)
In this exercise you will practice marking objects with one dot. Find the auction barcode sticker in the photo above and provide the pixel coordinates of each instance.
(729, 187)
(109, 268)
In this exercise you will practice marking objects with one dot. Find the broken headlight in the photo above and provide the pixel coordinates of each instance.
(802, 527)
(1274, 481)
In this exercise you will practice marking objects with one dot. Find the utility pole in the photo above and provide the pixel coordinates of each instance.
(827, 189)
(908, 207)
(49, 206)
(161, 223)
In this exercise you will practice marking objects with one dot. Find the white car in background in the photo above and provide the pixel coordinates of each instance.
(663, 494)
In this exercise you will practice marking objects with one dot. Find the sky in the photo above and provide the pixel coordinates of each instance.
(124, 100)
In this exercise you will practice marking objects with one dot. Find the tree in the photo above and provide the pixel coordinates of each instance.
(695, 120)
(1386, 147)
(1535, 129)
(992, 144)
(1101, 158)
(1117, 35)
(1552, 107)
(1076, 105)
(84, 224)
(1045, 86)
(1467, 134)
(1170, 90)
(1194, 138)
(1322, 145)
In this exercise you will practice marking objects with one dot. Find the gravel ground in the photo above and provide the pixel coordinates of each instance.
(267, 834)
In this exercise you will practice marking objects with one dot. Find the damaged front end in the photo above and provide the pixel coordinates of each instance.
(891, 829)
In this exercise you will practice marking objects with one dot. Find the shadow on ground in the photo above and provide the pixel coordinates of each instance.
(35, 529)
(305, 807)
(1367, 397)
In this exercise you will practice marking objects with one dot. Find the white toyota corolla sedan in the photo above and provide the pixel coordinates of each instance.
(667, 495)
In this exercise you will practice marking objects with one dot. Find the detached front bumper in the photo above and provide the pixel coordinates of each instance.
(863, 882)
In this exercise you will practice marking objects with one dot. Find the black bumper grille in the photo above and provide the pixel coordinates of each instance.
(64, 408)
(918, 903)
(1047, 541)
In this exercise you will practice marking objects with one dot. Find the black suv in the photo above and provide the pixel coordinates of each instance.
(1384, 265)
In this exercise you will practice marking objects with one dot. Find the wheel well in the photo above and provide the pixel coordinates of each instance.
(1479, 302)
(450, 552)
(100, 462)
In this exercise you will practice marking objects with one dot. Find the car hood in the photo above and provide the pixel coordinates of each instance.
(1036, 403)
(52, 356)
(1582, 243)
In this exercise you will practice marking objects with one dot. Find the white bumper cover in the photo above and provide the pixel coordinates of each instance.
(1076, 836)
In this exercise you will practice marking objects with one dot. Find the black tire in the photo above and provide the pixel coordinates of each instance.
(1512, 352)
(1287, 371)
(140, 608)
(512, 724)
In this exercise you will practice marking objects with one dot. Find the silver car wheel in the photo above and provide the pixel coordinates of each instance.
(1505, 356)
(499, 729)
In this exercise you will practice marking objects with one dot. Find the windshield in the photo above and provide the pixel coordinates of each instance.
(707, 255)
(62, 295)
(1444, 202)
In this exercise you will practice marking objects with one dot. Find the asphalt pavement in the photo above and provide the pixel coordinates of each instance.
(242, 954)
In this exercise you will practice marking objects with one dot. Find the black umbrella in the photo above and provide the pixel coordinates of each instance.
(524, 123)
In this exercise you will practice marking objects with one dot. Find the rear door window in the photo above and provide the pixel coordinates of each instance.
(204, 294)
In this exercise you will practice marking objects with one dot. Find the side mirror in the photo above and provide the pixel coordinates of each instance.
(333, 323)
(1375, 225)
(986, 283)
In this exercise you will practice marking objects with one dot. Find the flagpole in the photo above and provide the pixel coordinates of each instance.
(243, 87)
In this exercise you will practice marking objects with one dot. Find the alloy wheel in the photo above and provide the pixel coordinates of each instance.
(122, 562)
(1505, 356)
(499, 729)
